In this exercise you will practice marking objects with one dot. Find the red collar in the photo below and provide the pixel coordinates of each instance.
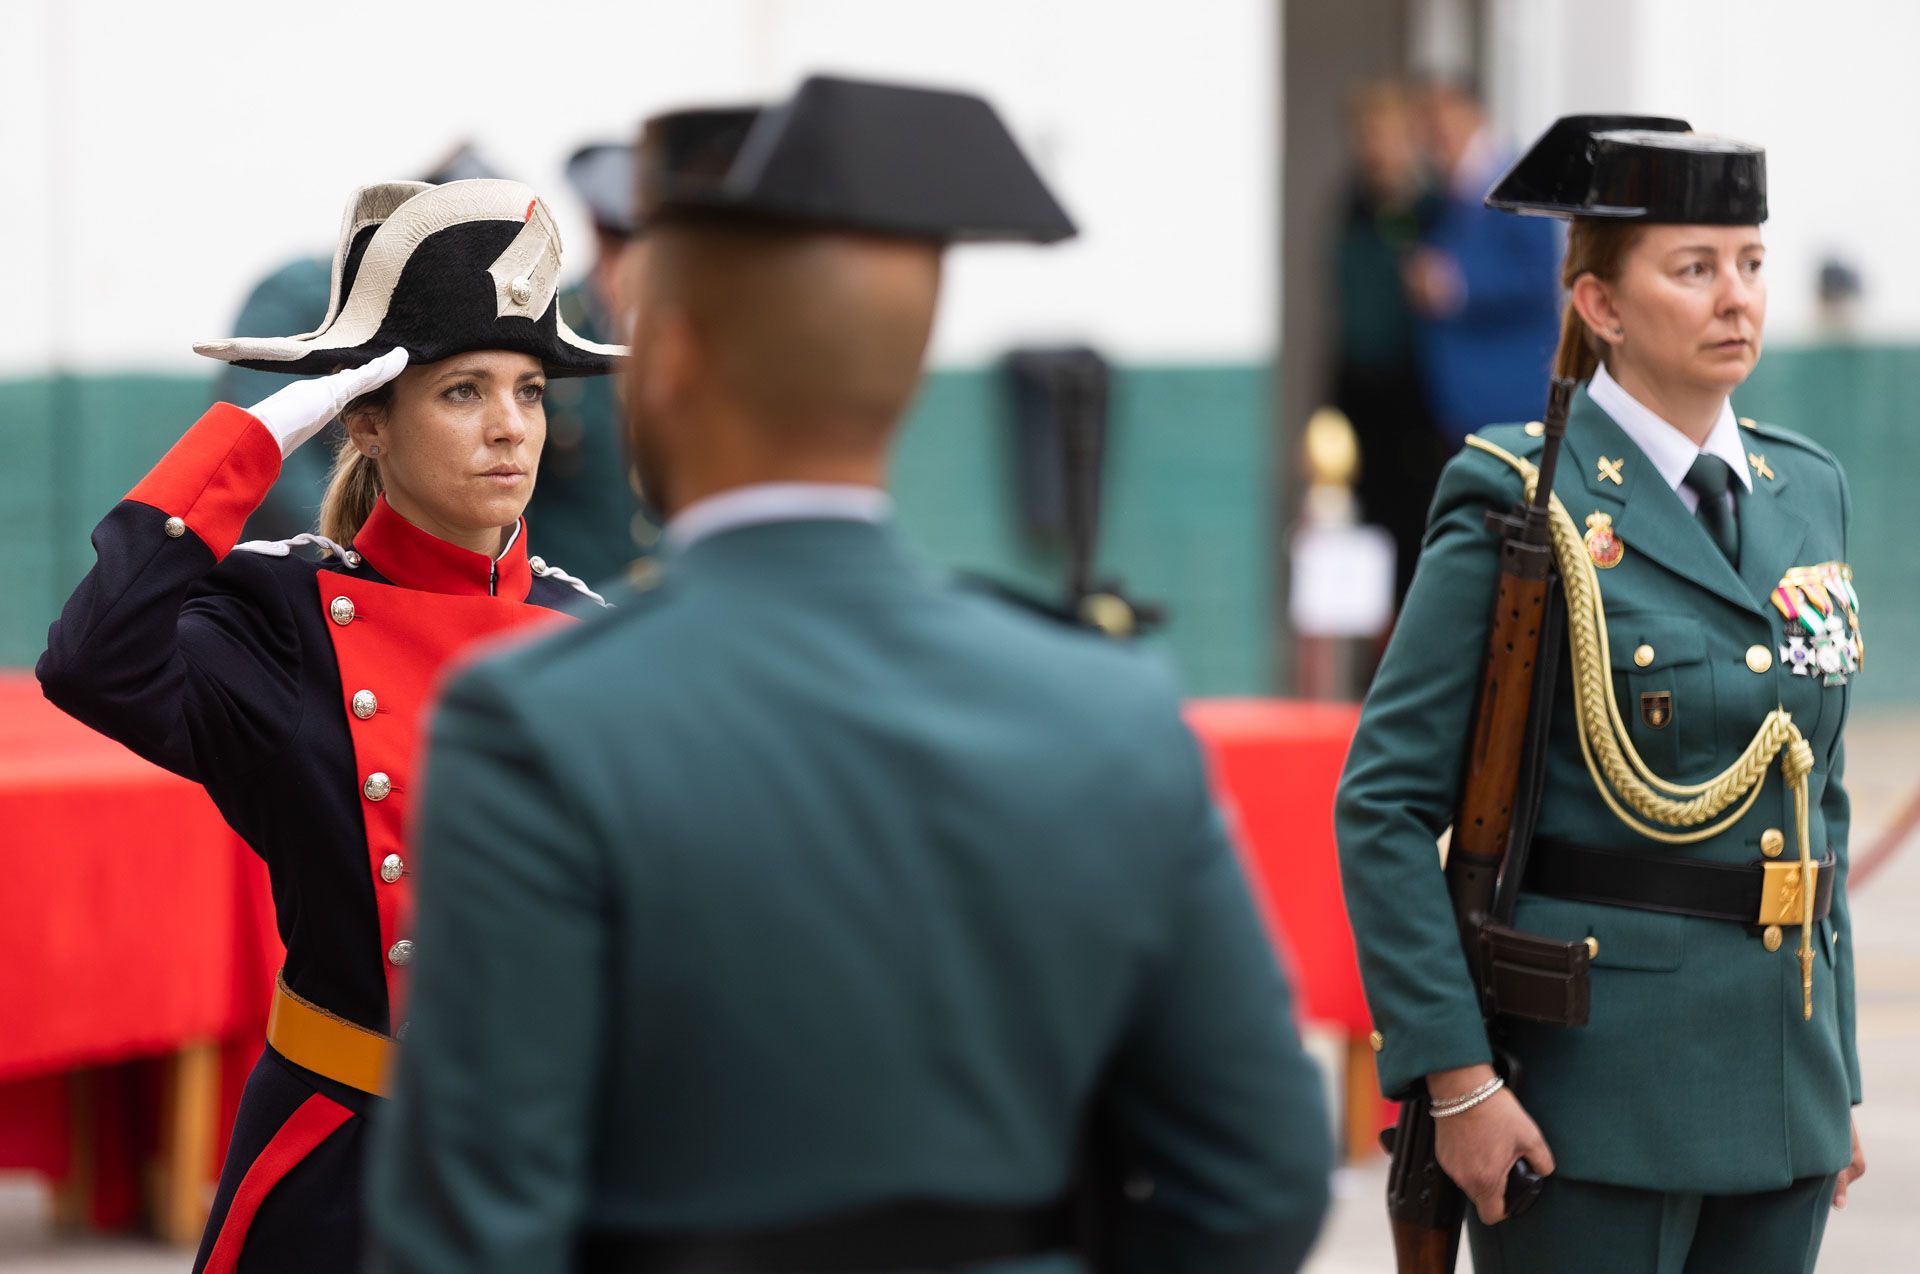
(412, 558)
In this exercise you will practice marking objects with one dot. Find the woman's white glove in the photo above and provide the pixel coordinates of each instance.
(301, 410)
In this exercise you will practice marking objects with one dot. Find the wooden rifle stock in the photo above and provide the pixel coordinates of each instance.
(1424, 1207)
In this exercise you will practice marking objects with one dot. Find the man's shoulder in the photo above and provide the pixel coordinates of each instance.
(578, 658)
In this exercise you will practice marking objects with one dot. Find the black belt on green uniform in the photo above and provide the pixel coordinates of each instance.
(898, 1236)
(1678, 886)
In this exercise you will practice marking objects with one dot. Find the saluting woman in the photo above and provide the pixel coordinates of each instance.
(291, 688)
(1700, 1120)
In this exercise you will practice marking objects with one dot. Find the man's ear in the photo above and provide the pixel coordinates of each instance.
(673, 359)
(1593, 301)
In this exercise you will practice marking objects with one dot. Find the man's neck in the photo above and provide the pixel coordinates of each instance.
(703, 482)
(1692, 409)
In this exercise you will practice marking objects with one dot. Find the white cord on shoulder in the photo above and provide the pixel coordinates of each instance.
(284, 548)
(546, 571)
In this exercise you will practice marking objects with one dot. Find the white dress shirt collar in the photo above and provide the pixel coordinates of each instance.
(777, 502)
(1671, 451)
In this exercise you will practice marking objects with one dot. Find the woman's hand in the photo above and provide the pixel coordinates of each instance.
(301, 410)
(1852, 1172)
(1478, 1147)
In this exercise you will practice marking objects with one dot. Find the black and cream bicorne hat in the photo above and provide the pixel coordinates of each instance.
(440, 270)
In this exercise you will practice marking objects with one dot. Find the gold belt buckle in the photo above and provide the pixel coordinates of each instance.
(1780, 892)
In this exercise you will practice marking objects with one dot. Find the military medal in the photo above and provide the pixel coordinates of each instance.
(1822, 611)
(1603, 546)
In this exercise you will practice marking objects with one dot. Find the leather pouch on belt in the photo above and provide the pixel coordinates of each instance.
(1534, 978)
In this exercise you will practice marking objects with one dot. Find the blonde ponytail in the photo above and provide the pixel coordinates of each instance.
(353, 487)
(1596, 246)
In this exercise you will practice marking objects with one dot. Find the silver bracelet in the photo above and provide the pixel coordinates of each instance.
(1461, 1105)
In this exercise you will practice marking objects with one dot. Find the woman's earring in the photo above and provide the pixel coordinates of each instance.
(1619, 331)
(374, 450)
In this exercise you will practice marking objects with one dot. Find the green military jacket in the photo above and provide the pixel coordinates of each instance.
(1696, 1072)
(803, 881)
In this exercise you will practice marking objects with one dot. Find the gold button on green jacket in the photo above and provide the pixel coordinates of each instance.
(1698, 1071)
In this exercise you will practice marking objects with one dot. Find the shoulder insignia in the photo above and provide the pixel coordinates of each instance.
(539, 566)
(1520, 440)
(1788, 437)
(284, 548)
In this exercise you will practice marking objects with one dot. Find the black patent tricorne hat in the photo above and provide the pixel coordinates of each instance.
(1646, 168)
(440, 270)
(844, 154)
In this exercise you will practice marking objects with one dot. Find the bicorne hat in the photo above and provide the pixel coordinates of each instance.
(441, 270)
(842, 154)
(1645, 168)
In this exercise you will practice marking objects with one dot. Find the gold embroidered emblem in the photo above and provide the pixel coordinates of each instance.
(1759, 463)
(1610, 471)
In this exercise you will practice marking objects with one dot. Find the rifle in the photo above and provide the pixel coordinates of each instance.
(1061, 400)
(1518, 975)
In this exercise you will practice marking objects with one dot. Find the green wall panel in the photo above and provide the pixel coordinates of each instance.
(1857, 401)
(28, 566)
(1186, 518)
(1186, 505)
(1189, 514)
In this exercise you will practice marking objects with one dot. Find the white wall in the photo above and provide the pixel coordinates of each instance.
(1831, 89)
(157, 157)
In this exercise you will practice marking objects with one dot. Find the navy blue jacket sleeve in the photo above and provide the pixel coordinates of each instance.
(190, 662)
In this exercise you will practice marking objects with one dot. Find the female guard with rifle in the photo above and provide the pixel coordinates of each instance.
(1655, 1010)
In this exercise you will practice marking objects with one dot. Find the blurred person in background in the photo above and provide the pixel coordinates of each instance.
(291, 688)
(586, 508)
(1700, 1118)
(1483, 284)
(865, 891)
(294, 298)
(1377, 376)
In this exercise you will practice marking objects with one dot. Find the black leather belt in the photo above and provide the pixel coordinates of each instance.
(1753, 894)
(899, 1236)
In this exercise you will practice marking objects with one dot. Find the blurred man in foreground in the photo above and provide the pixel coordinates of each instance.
(805, 912)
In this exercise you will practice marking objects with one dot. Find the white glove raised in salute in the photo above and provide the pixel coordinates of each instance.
(301, 410)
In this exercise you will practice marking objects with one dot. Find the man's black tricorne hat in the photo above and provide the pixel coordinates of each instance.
(602, 175)
(441, 270)
(1644, 168)
(850, 155)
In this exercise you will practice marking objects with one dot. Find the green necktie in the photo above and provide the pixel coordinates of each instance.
(1710, 479)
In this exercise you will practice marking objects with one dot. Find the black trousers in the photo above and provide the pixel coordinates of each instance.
(288, 1201)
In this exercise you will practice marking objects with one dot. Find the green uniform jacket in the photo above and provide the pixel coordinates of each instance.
(1697, 1072)
(805, 881)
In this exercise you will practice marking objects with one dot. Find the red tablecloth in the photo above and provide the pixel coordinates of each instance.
(132, 919)
(1275, 767)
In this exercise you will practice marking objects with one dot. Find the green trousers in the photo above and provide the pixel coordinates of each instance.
(1580, 1228)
